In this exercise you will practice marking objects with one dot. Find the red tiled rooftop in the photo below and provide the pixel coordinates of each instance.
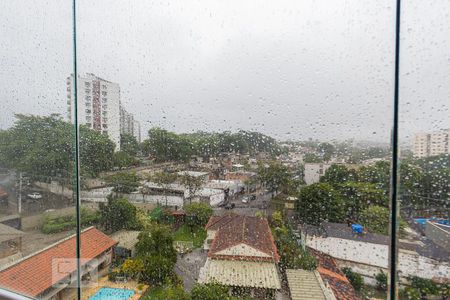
(330, 272)
(33, 275)
(234, 230)
(215, 222)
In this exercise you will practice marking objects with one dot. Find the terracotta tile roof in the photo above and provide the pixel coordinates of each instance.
(215, 222)
(331, 274)
(33, 274)
(252, 231)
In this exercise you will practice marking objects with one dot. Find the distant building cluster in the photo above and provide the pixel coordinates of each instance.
(128, 125)
(431, 144)
(99, 107)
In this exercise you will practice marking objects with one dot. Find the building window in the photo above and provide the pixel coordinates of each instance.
(87, 84)
(104, 93)
(88, 111)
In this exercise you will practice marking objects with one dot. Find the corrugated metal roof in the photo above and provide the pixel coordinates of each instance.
(304, 285)
(241, 273)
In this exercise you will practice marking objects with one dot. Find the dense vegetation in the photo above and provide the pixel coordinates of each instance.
(43, 147)
(292, 255)
(361, 195)
(164, 145)
(62, 223)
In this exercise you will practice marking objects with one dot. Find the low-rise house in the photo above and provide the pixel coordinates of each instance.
(367, 253)
(242, 254)
(50, 272)
(333, 278)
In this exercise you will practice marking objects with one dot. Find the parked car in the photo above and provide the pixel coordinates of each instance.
(35, 195)
(252, 197)
(245, 199)
(230, 206)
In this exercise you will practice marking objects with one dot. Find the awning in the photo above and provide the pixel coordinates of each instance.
(241, 273)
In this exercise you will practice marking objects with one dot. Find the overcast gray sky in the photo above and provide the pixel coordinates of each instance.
(292, 69)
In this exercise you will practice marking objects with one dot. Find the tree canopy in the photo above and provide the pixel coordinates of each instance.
(43, 146)
(124, 182)
(165, 145)
(319, 202)
(117, 214)
(198, 213)
(156, 253)
(129, 144)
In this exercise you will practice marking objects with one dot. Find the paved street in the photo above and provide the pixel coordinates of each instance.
(188, 267)
(261, 203)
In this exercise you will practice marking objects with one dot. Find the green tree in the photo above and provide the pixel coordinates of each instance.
(96, 152)
(156, 252)
(118, 214)
(274, 176)
(164, 145)
(426, 287)
(211, 291)
(170, 292)
(41, 145)
(376, 219)
(336, 174)
(381, 279)
(360, 195)
(124, 182)
(198, 214)
(123, 159)
(355, 279)
(411, 183)
(378, 174)
(319, 202)
(192, 183)
(129, 144)
(326, 150)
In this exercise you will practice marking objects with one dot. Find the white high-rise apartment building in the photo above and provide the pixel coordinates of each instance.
(98, 105)
(431, 144)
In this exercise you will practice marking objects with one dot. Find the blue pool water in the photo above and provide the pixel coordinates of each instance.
(106, 293)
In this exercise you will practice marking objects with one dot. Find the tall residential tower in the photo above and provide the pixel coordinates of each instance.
(99, 107)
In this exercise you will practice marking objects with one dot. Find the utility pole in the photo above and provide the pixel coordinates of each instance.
(19, 198)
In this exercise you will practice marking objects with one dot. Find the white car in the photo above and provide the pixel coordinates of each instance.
(35, 195)
(245, 199)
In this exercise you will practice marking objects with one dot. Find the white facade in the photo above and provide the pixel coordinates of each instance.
(313, 172)
(98, 105)
(431, 144)
(368, 258)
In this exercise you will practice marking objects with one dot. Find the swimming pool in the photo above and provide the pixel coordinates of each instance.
(106, 293)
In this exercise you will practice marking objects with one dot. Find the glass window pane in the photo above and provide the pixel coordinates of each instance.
(423, 263)
(37, 212)
(234, 148)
